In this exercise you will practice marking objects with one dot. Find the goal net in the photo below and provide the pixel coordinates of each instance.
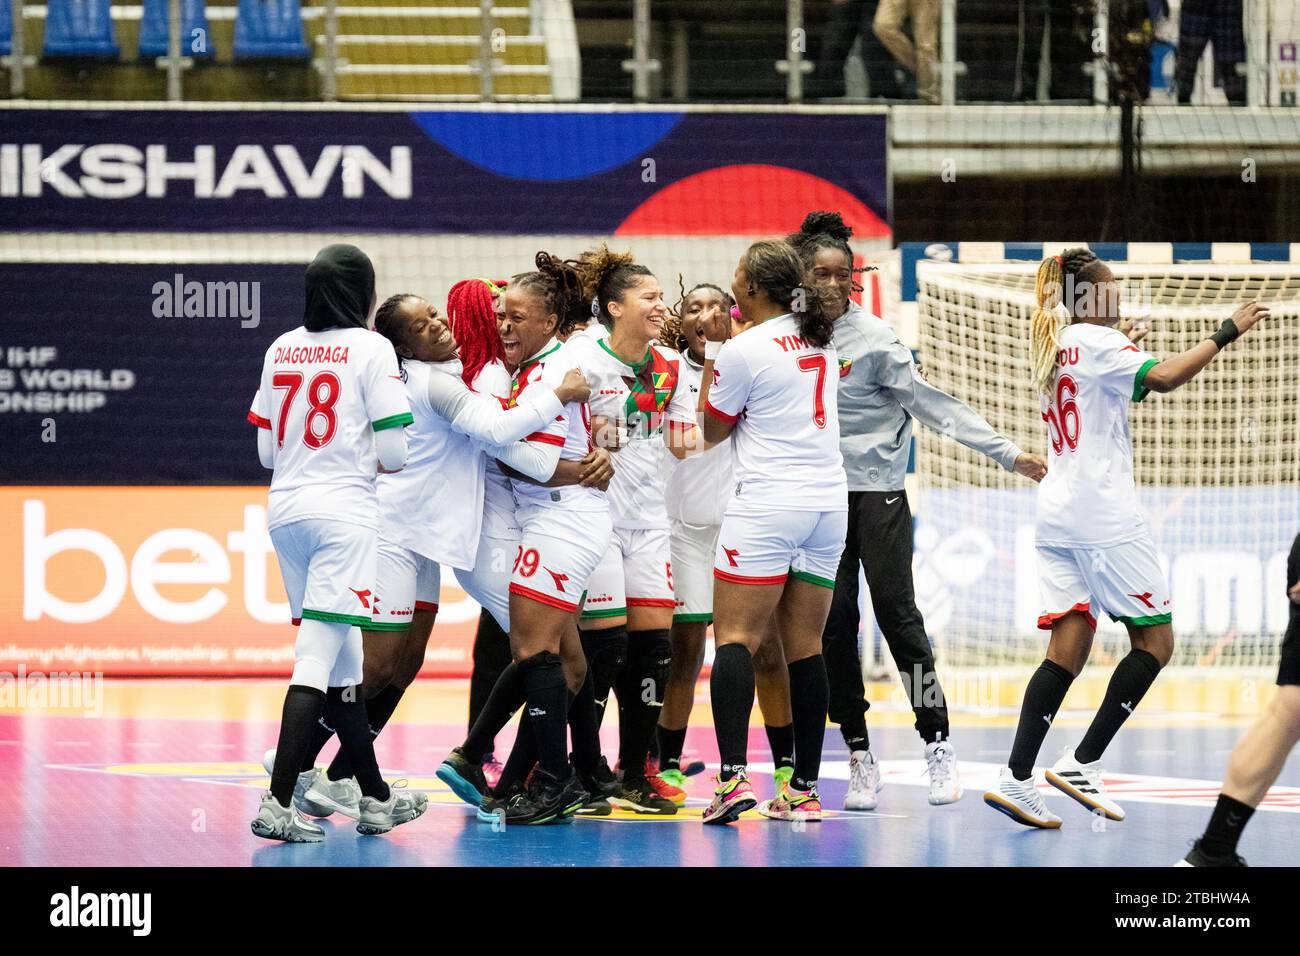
(1216, 463)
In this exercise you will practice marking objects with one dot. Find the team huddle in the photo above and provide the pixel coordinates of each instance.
(608, 475)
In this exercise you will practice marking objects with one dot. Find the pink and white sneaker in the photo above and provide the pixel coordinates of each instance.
(793, 805)
(492, 769)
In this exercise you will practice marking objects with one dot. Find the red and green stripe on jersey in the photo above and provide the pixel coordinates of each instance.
(650, 387)
(527, 373)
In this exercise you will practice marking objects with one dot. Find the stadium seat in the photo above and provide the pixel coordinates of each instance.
(270, 29)
(79, 28)
(6, 28)
(153, 29)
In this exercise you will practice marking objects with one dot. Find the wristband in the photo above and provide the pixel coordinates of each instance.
(711, 350)
(1226, 334)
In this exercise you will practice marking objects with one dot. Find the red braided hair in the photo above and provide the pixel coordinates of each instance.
(473, 319)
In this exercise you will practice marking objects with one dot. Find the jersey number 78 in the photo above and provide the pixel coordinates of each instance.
(322, 396)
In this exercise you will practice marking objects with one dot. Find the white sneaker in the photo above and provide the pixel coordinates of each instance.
(1021, 801)
(402, 806)
(300, 787)
(276, 822)
(1082, 781)
(945, 782)
(334, 796)
(864, 781)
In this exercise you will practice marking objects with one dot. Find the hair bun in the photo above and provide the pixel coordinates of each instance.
(827, 223)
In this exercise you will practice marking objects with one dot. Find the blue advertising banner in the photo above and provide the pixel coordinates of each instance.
(516, 171)
(137, 374)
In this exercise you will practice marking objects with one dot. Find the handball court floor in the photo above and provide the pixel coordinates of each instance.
(167, 773)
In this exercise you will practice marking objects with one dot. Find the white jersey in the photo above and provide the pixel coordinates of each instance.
(498, 497)
(698, 488)
(323, 395)
(640, 400)
(781, 392)
(1088, 498)
(571, 430)
(433, 506)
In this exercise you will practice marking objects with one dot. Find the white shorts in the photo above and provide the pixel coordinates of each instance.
(406, 582)
(557, 552)
(328, 569)
(765, 547)
(488, 582)
(1124, 580)
(693, 548)
(635, 571)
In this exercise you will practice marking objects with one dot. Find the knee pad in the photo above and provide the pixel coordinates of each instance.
(542, 671)
(606, 653)
(316, 650)
(652, 652)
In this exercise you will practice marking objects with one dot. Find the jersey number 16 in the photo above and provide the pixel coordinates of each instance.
(1063, 419)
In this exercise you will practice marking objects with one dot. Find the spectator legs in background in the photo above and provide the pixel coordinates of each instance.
(1210, 21)
(877, 62)
(920, 58)
(836, 40)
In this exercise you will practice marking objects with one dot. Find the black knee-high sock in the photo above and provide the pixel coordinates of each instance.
(731, 688)
(641, 689)
(302, 709)
(347, 713)
(1043, 696)
(1226, 825)
(809, 698)
(378, 709)
(583, 727)
(321, 732)
(781, 742)
(506, 697)
(606, 652)
(1133, 677)
(671, 743)
(491, 657)
(547, 700)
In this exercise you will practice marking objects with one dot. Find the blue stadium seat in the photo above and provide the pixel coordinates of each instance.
(6, 27)
(270, 29)
(153, 29)
(79, 28)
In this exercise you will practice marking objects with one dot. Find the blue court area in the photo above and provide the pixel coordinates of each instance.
(168, 773)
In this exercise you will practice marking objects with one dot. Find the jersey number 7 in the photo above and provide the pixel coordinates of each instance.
(816, 363)
(322, 395)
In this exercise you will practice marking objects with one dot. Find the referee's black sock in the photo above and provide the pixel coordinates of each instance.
(302, 709)
(809, 696)
(1133, 677)
(347, 713)
(491, 657)
(1226, 825)
(781, 742)
(1043, 696)
(506, 697)
(731, 690)
(321, 732)
(671, 743)
(547, 698)
(606, 652)
(378, 709)
(641, 689)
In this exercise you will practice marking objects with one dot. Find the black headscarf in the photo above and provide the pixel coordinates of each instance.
(340, 289)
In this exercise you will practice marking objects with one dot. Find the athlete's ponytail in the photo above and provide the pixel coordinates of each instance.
(1043, 326)
(471, 314)
(775, 266)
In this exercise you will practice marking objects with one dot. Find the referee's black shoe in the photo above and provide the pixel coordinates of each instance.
(1198, 857)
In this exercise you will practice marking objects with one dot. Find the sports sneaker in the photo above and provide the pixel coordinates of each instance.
(670, 785)
(402, 806)
(492, 770)
(463, 776)
(553, 798)
(600, 785)
(337, 796)
(794, 805)
(1021, 801)
(864, 781)
(692, 766)
(1196, 856)
(945, 783)
(639, 795)
(732, 798)
(781, 779)
(300, 787)
(277, 822)
(1082, 782)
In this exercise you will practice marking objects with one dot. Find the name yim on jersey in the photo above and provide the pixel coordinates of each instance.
(122, 171)
(179, 299)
